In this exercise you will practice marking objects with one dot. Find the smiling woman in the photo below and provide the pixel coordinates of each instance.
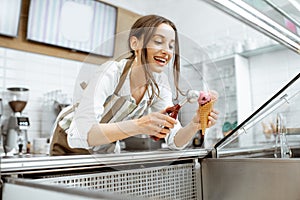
(129, 97)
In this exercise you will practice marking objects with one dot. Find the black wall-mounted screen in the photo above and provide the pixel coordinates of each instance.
(82, 25)
(10, 17)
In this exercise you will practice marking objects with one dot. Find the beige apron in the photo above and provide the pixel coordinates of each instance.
(116, 108)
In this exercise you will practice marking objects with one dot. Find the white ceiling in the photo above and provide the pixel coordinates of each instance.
(195, 19)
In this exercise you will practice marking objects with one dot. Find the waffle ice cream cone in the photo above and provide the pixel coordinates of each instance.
(204, 111)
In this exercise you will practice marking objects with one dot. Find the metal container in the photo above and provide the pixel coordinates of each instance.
(142, 143)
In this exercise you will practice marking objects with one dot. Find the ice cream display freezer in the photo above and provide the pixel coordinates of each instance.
(171, 175)
(158, 174)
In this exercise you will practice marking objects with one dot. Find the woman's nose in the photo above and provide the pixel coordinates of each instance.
(167, 50)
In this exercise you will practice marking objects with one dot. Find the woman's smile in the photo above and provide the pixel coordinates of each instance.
(162, 61)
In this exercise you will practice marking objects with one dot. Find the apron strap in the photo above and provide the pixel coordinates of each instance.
(122, 79)
(123, 76)
(117, 106)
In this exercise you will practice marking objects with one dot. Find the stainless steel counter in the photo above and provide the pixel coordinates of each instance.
(189, 172)
(160, 174)
(43, 163)
(38, 163)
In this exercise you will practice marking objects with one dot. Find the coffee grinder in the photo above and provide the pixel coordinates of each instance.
(15, 136)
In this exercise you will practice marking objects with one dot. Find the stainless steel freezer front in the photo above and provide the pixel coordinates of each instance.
(251, 178)
(154, 175)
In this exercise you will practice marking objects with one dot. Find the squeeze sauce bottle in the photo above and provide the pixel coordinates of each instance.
(172, 112)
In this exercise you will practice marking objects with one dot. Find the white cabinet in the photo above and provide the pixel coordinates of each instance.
(229, 76)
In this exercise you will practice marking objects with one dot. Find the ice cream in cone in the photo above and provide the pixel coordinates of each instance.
(206, 103)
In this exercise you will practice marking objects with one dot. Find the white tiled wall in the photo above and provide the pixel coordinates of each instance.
(271, 71)
(39, 73)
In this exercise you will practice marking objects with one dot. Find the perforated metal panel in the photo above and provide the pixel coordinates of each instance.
(166, 182)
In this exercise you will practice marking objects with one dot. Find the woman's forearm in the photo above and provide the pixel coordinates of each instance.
(185, 134)
(157, 124)
(110, 132)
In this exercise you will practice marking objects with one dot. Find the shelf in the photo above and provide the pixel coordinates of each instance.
(247, 53)
(261, 50)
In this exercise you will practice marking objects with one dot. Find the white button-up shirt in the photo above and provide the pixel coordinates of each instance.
(100, 87)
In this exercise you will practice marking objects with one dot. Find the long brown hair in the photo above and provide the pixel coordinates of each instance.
(145, 27)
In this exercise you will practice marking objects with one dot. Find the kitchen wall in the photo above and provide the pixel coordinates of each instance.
(269, 73)
(39, 73)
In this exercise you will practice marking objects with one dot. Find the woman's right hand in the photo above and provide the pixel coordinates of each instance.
(156, 124)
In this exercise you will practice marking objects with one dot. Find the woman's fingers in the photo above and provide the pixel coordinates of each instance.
(214, 114)
(157, 124)
(165, 120)
(212, 118)
(163, 127)
(164, 124)
(162, 133)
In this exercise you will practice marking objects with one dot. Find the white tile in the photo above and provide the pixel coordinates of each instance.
(15, 64)
(2, 73)
(28, 56)
(2, 51)
(9, 82)
(2, 61)
(12, 53)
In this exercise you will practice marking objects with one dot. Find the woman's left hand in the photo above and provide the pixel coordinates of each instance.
(212, 118)
(213, 115)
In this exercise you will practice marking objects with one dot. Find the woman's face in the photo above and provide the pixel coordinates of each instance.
(161, 47)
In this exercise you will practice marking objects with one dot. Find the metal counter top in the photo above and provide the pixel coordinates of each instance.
(45, 163)
(39, 163)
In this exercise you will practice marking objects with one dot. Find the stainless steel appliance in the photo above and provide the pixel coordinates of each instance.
(1, 125)
(15, 135)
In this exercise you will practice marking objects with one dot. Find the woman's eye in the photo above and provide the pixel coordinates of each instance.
(157, 42)
(171, 47)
